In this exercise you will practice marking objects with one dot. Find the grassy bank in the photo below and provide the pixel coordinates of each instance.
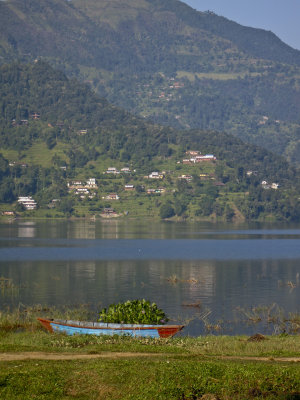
(179, 368)
(148, 378)
(207, 367)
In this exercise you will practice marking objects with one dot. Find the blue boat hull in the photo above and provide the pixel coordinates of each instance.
(98, 328)
(71, 330)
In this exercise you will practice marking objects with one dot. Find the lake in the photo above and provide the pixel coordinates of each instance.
(216, 278)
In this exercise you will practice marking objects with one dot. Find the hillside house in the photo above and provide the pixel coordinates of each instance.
(206, 157)
(28, 202)
(125, 170)
(129, 187)
(35, 115)
(203, 175)
(188, 178)
(17, 164)
(82, 190)
(112, 170)
(91, 183)
(108, 212)
(10, 213)
(197, 157)
(53, 203)
(156, 175)
(111, 196)
(74, 184)
(219, 184)
(266, 185)
(156, 191)
(21, 122)
(250, 173)
(264, 120)
(178, 85)
(193, 152)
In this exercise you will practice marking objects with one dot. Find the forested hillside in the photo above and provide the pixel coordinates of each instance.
(55, 131)
(165, 61)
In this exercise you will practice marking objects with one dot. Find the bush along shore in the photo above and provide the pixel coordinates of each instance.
(37, 364)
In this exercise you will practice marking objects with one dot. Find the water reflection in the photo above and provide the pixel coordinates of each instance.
(86, 230)
(68, 263)
(26, 230)
(85, 270)
(145, 229)
(218, 286)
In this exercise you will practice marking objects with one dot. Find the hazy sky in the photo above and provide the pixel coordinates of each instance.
(279, 16)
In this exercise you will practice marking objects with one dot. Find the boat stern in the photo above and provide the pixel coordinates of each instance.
(46, 324)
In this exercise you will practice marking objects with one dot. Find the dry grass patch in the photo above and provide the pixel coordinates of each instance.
(88, 384)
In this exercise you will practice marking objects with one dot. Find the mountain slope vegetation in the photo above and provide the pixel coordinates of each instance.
(165, 61)
(55, 131)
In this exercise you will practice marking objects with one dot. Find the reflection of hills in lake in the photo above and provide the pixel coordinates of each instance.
(83, 231)
(220, 285)
(26, 230)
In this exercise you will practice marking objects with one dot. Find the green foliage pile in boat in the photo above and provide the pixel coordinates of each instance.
(133, 312)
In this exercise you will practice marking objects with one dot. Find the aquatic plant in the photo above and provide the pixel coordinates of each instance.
(25, 317)
(192, 305)
(133, 312)
(6, 283)
(173, 279)
(271, 316)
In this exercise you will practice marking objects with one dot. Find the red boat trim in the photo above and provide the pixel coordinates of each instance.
(46, 324)
(169, 330)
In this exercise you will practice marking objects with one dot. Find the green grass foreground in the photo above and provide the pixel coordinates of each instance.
(35, 364)
(182, 368)
(168, 378)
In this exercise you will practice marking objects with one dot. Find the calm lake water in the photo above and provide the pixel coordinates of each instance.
(226, 269)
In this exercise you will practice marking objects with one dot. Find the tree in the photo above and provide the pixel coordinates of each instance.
(205, 206)
(229, 213)
(51, 142)
(166, 211)
(66, 206)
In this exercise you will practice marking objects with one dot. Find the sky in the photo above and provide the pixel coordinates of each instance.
(282, 17)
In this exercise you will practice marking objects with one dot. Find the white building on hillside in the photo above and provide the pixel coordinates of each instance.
(28, 202)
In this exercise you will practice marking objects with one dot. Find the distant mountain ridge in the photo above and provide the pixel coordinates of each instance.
(234, 78)
(45, 27)
(257, 42)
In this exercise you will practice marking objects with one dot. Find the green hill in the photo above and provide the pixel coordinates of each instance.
(55, 132)
(165, 61)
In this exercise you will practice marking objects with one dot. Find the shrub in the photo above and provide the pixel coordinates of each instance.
(133, 312)
(166, 211)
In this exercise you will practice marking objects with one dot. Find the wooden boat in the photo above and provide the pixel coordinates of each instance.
(99, 328)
